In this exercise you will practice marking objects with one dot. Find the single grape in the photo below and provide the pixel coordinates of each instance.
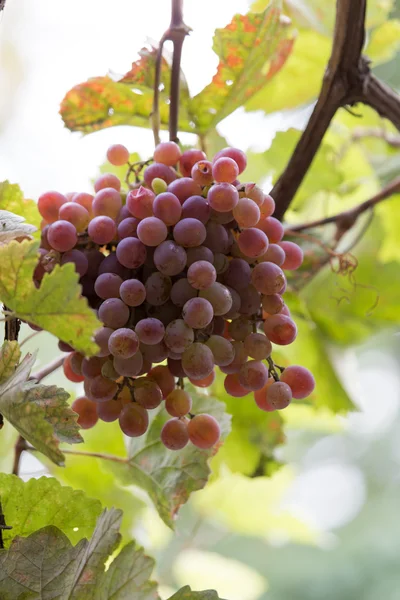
(272, 228)
(167, 153)
(196, 207)
(250, 301)
(234, 311)
(133, 420)
(238, 274)
(114, 313)
(237, 155)
(217, 238)
(76, 214)
(87, 412)
(107, 285)
(260, 396)
(219, 297)
(150, 331)
(170, 258)
(64, 347)
(189, 233)
(92, 366)
(111, 264)
(198, 253)
(205, 382)
(164, 379)
(123, 343)
(188, 159)
(178, 336)
(131, 253)
(233, 386)
(102, 389)
(108, 370)
(201, 172)
(147, 393)
(272, 304)
(107, 180)
(240, 328)
(118, 155)
(49, 205)
(268, 278)
(253, 375)
(223, 218)
(75, 362)
(132, 292)
(181, 292)
(197, 313)
(280, 329)
(267, 208)
(293, 255)
(174, 434)
(159, 186)
(109, 411)
(221, 263)
(252, 191)
(197, 361)
(152, 231)
(85, 200)
(166, 313)
(279, 395)
(246, 213)
(225, 170)
(183, 188)
(160, 171)
(102, 230)
(222, 349)
(127, 227)
(253, 242)
(167, 207)
(94, 258)
(79, 260)
(154, 353)
(69, 372)
(257, 346)
(204, 431)
(158, 289)
(62, 236)
(178, 403)
(201, 275)
(274, 254)
(175, 366)
(223, 197)
(300, 380)
(101, 338)
(140, 202)
(129, 367)
(107, 202)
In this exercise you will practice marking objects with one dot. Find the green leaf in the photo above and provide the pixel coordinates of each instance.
(12, 200)
(45, 565)
(38, 412)
(186, 593)
(384, 42)
(13, 226)
(10, 355)
(56, 306)
(33, 504)
(170, 477)
(251, 49)
(105, 102)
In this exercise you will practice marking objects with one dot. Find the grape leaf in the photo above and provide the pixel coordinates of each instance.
(251, 49)
(105, 101)
(12, 200)
(186, 593)
(13, 226)
(10, 355)
(56, 306)
(170, 477)
(31, 505)
(45, 565)
(38, 412)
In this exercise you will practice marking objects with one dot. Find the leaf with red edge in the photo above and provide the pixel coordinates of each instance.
(107, 101)
(252, 49)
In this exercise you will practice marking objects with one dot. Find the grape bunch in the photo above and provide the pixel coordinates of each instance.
(186, 272)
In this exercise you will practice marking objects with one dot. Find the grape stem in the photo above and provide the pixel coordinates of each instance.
(48, 369)
(346, 219)
(271, 369)
(347, 81)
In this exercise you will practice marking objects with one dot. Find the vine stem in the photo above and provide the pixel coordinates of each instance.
(101, 455)
(48, 369)
(346, 219)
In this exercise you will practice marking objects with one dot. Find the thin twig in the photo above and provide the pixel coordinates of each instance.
(347, 218)
(48, 369)
(29, 337)
(176, 33)
(101, 455)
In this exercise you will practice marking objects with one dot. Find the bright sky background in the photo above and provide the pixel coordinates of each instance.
(46, 47)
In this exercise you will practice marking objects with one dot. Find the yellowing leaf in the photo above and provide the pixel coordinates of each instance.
(105, 101)
(252, 49)
(56, 306)
(10, 355)
(39, 413)
(12, 200)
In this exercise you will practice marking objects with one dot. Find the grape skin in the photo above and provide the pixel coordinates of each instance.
(300, 380)
(174, 434)
(87, 412)
(204, 431)
(134, 420)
